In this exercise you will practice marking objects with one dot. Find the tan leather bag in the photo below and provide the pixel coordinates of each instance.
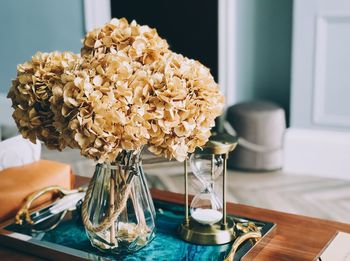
(17, 183)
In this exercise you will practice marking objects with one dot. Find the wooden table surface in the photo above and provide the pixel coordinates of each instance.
(297, 237)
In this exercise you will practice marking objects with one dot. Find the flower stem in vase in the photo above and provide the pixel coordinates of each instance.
(111, 206)
(122, 182)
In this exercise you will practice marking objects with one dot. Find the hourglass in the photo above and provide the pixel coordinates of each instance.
(207, 223)
(206, 206)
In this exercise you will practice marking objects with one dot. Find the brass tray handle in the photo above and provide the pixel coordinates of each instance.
(23, 213)
(240, 240)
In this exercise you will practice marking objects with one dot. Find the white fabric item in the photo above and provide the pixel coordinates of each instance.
(18, 151)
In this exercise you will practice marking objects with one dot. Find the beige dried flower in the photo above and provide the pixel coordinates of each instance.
(126, 91)
(188, 100)
(107, 100)
(35, 93)
(140, 43)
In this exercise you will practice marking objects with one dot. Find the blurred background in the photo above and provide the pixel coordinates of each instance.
(293, 56)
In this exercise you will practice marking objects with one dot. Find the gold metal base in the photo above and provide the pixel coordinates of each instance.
(196, 233)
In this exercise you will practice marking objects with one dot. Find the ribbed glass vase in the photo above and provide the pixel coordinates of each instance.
(118, 210)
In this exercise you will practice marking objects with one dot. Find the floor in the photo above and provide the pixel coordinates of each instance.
(300, 194)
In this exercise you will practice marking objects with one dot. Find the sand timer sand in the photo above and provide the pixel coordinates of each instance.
(207, 223)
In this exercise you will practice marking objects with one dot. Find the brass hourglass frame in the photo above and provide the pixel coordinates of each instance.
(222, 232)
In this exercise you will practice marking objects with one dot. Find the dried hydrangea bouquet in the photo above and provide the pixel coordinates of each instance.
(125, 91)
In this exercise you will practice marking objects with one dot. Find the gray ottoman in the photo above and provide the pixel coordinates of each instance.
(260, 127)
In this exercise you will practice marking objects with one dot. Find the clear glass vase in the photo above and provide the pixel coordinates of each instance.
(118, 210)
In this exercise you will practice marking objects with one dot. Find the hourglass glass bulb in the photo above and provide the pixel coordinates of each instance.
(201, 165)
(206, 208)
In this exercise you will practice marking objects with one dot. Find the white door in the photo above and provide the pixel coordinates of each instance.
(321, 64)
(318, 141)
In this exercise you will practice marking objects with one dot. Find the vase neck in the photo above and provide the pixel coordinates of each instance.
(124, 158)
(128, 157)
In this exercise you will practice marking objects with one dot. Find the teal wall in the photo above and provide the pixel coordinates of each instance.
(264, 35)
(263, 41)
(28, 26)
